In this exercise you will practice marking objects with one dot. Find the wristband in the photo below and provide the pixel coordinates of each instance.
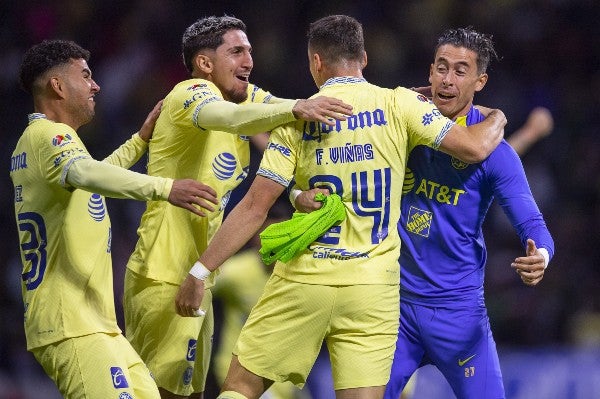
(199, 271)
(293, 195)
(546, 256)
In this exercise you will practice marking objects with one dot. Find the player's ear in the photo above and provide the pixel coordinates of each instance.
(55, 84)
(430, 73)
(364, 60)
(317, 62)
(204, 63)
(481, 81)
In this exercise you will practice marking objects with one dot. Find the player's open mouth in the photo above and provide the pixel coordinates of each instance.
(243, 78)
(445, 96)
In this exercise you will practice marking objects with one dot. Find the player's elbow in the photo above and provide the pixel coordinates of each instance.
(471, 154)
(477, 155)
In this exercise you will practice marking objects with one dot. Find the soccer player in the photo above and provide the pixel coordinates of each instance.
(200, 134)
(443, 319)
(65, 232)
(539, 124)
(344, 288)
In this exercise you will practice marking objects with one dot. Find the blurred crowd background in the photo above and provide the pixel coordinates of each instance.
(550, 56)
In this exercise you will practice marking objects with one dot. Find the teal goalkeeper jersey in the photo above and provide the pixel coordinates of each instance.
(171, 239)
(64, 237)
(363, 160)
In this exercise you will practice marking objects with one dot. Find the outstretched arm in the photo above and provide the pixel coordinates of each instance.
(539, 124)
(116, 182)
(254, 118)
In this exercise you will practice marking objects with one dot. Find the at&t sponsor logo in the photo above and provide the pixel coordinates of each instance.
(224, 165)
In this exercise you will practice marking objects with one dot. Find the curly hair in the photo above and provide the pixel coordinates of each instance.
(468, 38)
(337, 37)
(46, 55)
(207, 33)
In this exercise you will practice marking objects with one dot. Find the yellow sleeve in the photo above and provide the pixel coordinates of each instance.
(128, 153)
(258, 95)
(247, 119)
(116, 182)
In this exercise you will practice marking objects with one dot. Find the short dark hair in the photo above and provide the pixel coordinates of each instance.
(46, 55)
(337, 37)
(468, 38)
(207, 33)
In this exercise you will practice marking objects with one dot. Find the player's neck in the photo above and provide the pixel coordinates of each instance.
(55, 112)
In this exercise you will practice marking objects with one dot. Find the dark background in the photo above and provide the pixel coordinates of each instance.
(550, 53)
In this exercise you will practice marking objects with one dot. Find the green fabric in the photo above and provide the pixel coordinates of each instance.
(282, 241)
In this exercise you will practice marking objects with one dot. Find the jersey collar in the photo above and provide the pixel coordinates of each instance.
(36, 115)
(343, 80)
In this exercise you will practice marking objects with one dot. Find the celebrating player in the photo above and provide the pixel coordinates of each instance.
(344, 288)
(199, 134)
(65, 232)
(443, 318)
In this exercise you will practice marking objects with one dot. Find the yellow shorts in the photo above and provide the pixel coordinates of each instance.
(176, 349)
(283, 334)
(97, 366)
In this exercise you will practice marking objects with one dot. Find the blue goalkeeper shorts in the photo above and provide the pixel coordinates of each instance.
(458, 341)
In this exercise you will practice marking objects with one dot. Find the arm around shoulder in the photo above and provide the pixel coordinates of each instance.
(474, 143)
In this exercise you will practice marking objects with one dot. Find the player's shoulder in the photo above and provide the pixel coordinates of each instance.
(257, 94)
(56, 133)
(292, 129)
(504, 155)
(506, 148)
(188, 94)
(193, 87)
(407, 94)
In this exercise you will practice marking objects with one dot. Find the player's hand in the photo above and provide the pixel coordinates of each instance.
(189, 297)
(193, 196)
(424, 90)
(305, 201)
(148, 127)
(531, 267)
(539, 123)
(322, 109)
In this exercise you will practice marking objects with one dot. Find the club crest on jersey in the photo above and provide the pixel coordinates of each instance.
(59, 140)
(125, 395)
(458, 164)
(224, 165)
(96, 208)
(118, 378)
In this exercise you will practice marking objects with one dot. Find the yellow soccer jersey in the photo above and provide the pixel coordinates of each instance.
(363, 160)
(64, 235)
(171, 239)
